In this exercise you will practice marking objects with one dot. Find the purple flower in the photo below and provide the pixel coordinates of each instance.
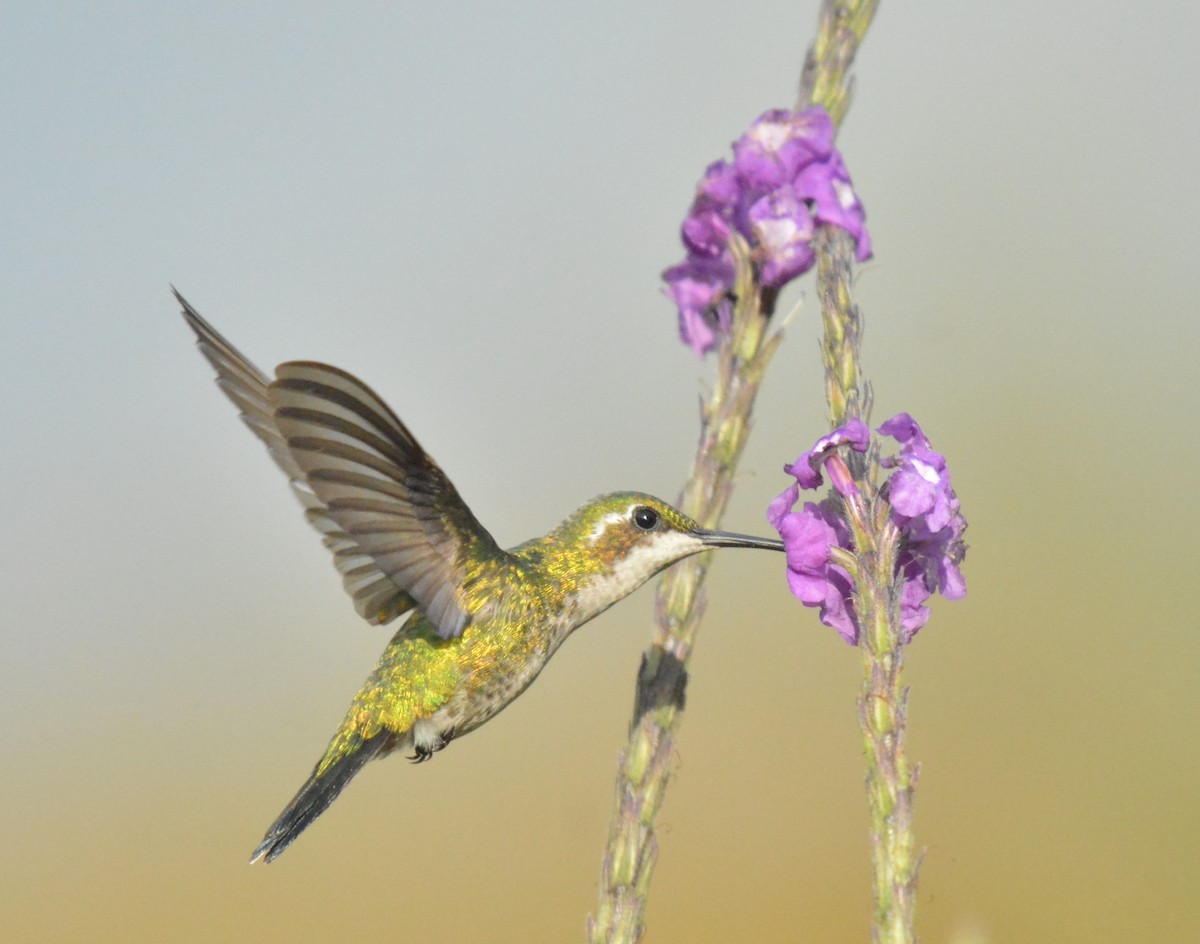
(705, 233)
(827, 185)
(786, 178)
(779, 144)
(783, 231)
(698, 287)
(807, 468)
(920, 486)
(720, 185)
(913, 593)
(929, 563)
(808, 535)
(923, 506)
(926, 509)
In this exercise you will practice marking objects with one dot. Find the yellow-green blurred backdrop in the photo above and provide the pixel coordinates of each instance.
(468, 205)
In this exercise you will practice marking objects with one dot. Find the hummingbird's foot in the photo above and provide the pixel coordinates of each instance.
(422, 752)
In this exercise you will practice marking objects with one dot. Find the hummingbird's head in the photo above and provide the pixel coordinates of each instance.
(620, 541)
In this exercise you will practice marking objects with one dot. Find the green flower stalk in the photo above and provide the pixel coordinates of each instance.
(871, 553)
(644, 766)
(883, 702)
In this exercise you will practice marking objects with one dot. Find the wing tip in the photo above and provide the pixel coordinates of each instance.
(188, 310)
(204, 331)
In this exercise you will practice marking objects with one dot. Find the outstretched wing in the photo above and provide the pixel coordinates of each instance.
(380, 487)
(376, 498)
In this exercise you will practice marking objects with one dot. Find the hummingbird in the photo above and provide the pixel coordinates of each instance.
(481, 622)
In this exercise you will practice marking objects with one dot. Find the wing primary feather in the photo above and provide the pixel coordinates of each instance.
(376, 596)
(384, 508)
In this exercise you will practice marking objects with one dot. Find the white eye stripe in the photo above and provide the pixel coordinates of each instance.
(634, 513)
(602, 526)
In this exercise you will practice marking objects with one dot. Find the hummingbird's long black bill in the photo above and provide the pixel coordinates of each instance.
(729, 539)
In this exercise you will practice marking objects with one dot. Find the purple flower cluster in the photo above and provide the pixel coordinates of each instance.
(785, 179)
(924, 508)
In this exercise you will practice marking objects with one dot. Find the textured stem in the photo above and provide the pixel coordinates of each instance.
(883, 702)
(826, 79)
(890, 780)
(882, 712)
(845, 393)
(644, 765)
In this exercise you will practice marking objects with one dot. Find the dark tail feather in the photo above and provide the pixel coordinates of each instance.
(314, 798)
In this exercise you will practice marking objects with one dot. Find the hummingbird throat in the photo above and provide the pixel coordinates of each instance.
(631, 569)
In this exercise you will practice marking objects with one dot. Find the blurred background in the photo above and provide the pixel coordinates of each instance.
(469, 205)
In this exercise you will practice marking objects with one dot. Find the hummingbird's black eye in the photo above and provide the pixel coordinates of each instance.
(645, 518)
